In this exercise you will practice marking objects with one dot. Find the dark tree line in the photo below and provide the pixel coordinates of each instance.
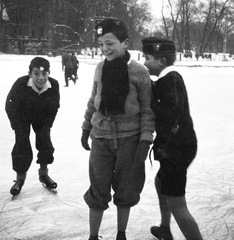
(68, 22)
(199, 25)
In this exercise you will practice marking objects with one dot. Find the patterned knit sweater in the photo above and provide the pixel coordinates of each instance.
(138, 117)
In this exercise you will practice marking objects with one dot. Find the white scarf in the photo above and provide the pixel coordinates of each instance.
(166, 70)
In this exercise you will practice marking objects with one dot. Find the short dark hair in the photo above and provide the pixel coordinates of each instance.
(169, 57)
(112, 25)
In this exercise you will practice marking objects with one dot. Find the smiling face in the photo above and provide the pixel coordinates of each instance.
(39, 77)
(111, 47)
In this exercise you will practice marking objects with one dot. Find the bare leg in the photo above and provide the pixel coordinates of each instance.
(95, 219)
(184, 219)
(164, 208)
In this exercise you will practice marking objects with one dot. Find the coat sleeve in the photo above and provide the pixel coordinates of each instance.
(147, 119)
(90, 109)
(54, 106)
(170, 103)
(12, 103)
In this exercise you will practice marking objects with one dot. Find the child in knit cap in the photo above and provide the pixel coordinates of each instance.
(120, 123)
(33, 101)
(174, 128)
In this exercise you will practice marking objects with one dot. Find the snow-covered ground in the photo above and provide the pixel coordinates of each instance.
(37, 214)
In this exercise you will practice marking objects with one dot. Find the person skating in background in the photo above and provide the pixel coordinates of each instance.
(33, 101)
(120, 122)
(67, 67)
(174, 127)
(75, 63)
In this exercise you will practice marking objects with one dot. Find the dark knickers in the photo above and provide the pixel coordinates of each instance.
(22, 154)
(114, 168)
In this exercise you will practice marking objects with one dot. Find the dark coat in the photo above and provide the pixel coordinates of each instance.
(170, 102)
(67, 61)
(25, 106)
(75, 62)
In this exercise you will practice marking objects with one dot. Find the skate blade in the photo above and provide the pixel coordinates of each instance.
(52, 190)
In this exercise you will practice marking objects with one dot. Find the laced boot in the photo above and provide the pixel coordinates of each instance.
(162, 233)
(16, 188)
(121, 236)
(45, 179)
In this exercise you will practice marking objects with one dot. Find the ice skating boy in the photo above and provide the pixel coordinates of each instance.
(171, 107)
(120, 123)
(33, 101)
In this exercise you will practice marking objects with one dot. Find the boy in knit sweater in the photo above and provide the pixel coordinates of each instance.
(33, 101)
(120, 123)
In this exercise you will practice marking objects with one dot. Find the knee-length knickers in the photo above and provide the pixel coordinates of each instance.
(22, 154)
(116, 169)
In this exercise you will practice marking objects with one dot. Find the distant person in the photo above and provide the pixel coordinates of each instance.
(174, 128)
(67, 67)
(75, 63)
(120, 122)
(33, 101)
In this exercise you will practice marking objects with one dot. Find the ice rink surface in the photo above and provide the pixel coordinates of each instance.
(37, 214)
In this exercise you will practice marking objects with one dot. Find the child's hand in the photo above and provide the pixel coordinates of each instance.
(84, 139)
(142, 151)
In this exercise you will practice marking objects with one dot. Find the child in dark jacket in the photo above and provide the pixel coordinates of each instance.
(174, 128)
(68, 68)
(33, 101)
(120, 122)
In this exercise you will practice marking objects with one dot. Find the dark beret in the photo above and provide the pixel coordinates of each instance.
(114, 26)
(40, 63)
(155, 45)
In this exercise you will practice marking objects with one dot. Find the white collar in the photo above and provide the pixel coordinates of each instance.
(130, 60)
(166, 70)
(33, 86)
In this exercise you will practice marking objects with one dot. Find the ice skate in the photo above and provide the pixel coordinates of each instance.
(121, 236)
(16, 188)
(162, 233)
(95, 237)
(48, 182)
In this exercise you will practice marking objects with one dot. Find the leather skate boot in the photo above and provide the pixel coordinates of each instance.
(121, 236)
(162, 233)
(19, 182)
(46, 180)
(16, 188)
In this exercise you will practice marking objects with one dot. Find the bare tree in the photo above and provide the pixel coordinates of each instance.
(214, 15)
(198, 25)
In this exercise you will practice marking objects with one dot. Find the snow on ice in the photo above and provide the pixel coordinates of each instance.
(38, 214)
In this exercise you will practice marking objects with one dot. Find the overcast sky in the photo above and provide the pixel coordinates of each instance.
(156, 6)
